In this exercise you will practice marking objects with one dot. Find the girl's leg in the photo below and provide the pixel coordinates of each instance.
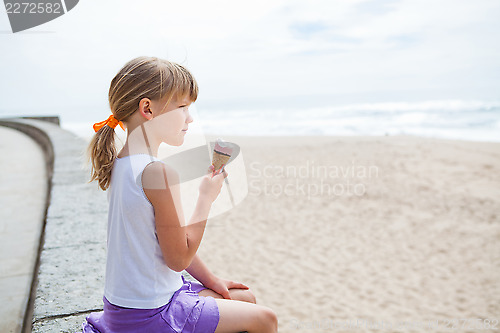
(237, 316)
(236, 294)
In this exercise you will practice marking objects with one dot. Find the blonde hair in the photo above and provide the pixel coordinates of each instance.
(143, 77)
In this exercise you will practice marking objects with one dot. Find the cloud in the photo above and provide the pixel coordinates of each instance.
(255, 52)
(376, 7)
(305, 30)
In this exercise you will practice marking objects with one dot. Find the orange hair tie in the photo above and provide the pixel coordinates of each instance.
(111, 122)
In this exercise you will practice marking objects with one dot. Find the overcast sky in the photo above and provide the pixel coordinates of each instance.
(248, 54)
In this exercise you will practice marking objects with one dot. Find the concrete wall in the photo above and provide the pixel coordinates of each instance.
(69, 277)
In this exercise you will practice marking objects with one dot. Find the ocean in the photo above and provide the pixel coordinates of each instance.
(476, 121)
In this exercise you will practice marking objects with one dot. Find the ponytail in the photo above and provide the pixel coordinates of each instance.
(102, 154)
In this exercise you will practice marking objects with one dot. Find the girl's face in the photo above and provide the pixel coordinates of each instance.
(170, 122)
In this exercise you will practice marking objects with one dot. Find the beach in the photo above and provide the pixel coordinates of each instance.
(364, 186)
(336, 234)
(347, 233)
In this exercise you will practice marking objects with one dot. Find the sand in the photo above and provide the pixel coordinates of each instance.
(363, 231)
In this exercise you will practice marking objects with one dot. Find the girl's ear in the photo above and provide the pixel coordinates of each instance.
(145, 108)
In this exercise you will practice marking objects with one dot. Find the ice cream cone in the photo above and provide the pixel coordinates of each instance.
(219, 160)
(221, 155)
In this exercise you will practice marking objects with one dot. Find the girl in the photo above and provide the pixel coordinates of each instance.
(149, 243)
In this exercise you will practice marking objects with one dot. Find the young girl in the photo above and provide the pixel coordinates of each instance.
(149, 243)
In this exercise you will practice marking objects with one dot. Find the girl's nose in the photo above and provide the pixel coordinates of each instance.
(189, 119)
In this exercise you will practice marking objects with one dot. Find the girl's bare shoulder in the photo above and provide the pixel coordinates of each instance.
(158, 175)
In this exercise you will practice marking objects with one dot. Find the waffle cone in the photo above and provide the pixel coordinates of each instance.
(218, 160)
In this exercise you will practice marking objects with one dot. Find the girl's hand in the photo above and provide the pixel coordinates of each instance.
(211, 185)
(221, 286)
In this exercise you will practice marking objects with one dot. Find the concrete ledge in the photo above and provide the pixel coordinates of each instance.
(39, 136)
(43, 140)
(70, 277)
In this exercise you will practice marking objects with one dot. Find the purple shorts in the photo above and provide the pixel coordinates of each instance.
(186, 312)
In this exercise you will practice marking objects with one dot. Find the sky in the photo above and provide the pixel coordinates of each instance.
(258, 54)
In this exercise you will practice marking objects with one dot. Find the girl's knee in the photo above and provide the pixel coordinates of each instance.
(249, 297)
(269, 319)
(243, 316)
(245, 295)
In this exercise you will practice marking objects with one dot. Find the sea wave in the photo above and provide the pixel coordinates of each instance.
(454, 119)
(451, 119)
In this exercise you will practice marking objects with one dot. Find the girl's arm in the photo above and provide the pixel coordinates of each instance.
(178, 242)
(200, 271)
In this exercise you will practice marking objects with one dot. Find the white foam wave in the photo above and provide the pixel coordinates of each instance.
(453, 119)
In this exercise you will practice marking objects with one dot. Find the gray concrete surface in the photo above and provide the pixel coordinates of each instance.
(69, 283)
(72, 261)
(23, 192)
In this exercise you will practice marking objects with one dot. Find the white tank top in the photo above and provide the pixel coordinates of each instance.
(136, 273)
